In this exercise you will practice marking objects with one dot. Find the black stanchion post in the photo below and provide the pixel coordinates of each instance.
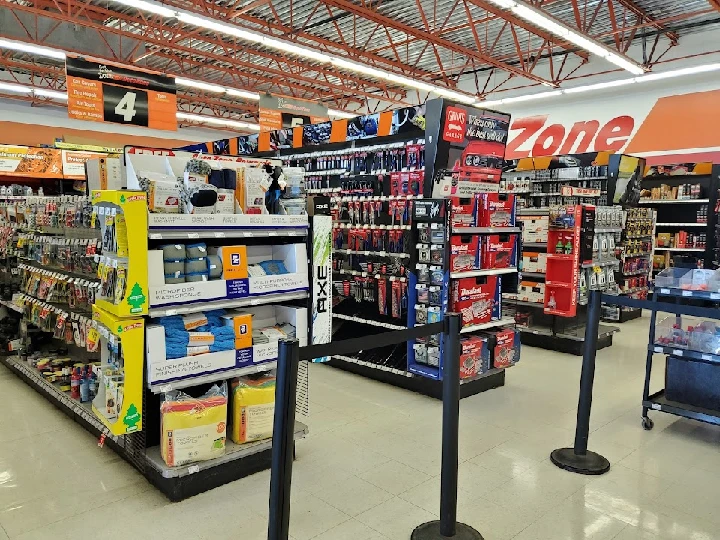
(579, 459)
(283, 439)
(448, 527)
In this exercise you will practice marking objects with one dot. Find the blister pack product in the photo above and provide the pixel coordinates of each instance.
(464, 252)
(477, 299)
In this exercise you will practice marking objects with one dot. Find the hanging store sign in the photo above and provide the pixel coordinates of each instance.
(103, 92)
(278, 113)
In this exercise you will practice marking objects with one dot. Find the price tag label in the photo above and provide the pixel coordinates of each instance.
(664, 291)
(655, 407)
(707, 357)
(677, 352)
(155, 236)
(687, 293)
(219, 235)
(714, 296)
(193, 235)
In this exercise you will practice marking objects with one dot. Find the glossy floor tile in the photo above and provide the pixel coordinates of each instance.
(370, 468)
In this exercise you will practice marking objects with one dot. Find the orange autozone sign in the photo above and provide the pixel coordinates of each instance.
(634, 124)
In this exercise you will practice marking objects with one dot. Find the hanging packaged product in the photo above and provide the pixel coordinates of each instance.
(253, 409)
(193, 429)
(463, 212)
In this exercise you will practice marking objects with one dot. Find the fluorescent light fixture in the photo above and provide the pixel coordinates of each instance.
(200, 85)
(31, 49)
(242, 93)
(152, 7)
(598, 86)
(225, 122)
(16, 88)
(341, 114)
(54, 94)
(540, 19)
(706, 68)
(299, 50)
(531, 97)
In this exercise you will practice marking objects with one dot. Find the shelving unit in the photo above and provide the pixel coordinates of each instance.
(691, 380)
(689, 220)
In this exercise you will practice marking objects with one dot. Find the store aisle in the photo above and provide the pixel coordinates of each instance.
(370, 468)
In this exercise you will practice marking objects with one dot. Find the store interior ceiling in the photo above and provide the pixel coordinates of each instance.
(355, 56)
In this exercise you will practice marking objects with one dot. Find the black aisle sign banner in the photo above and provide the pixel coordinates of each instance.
(103, 92)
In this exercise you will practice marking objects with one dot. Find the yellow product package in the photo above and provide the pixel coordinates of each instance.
(193, 429)
(253, 409)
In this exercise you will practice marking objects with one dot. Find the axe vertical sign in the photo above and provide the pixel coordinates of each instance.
(321, 326)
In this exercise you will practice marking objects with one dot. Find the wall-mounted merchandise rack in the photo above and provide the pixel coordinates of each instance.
(684, 199)
(262, 281)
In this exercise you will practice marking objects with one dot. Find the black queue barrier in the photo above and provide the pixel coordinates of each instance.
(289, 356)
(579, 459)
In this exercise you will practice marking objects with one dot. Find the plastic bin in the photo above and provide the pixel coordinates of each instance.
(697, 280)
(670, 278)
(670, 333)
(705, 338)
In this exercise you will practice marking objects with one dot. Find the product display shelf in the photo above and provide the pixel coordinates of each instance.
(445, 240)
(566, 277)
(692, 376)
(685, 205)
(634, 273)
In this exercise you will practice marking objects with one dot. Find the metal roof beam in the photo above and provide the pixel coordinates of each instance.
(434, 39)
(643, 15)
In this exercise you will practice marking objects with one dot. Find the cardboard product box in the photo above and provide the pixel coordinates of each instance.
(664, 240)
(496, 210)
(463, 211)
(506, 350)
(242, 324)
(104, 173)
(474, 356)
(499, 251)
(477, 299)
(534, 261)
(163, 197)
(531, 291)
(535, 228)
(225, 202)
(464, 252)
(235, 262)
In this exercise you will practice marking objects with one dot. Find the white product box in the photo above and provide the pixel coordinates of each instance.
(225, 202)
(535, 228)
(104, 173)
(534, 261)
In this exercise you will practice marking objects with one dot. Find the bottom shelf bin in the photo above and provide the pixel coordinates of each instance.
(660, 402)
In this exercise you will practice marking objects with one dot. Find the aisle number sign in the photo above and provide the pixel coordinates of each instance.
(104, 92)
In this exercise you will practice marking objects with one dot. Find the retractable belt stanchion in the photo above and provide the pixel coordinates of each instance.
(282, 440)
(448, 527)
(579, 459)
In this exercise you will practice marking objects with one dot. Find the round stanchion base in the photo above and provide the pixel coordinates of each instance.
(431, 531)
(590, 463)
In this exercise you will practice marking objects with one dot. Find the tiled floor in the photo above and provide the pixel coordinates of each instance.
(370, 467)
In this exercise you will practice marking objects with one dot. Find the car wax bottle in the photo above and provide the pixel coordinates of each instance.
(568, 247)
(559, 247)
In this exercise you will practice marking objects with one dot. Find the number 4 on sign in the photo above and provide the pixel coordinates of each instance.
(126, 107)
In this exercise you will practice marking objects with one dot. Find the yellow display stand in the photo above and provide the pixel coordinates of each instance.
(133, 205)
(128, 403)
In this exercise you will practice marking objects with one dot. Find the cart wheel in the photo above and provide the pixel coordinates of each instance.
(647, 423)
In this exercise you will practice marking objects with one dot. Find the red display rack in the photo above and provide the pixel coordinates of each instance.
(563, 264)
